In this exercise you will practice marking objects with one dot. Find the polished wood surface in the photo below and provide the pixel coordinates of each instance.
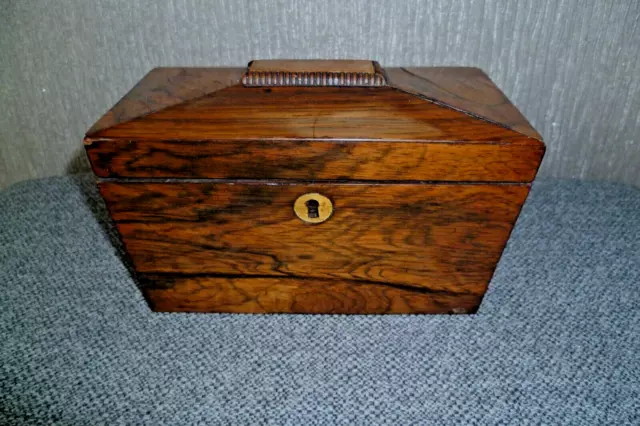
(468, 90)
(165, 87)
(314, 133)
(317, 160)
(329, 113)
(465, 89)
(426, 177)
(436, 237)
(167, 293)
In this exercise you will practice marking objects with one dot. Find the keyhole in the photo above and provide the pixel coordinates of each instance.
(312, 209)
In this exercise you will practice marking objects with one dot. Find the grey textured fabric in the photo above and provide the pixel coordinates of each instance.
(555, 342)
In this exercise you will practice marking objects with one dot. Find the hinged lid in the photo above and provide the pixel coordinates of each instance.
(316, 120)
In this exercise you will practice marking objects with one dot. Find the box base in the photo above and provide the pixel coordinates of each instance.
(260, 295)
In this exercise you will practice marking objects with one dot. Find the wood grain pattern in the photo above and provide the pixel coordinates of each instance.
(164, 87)
(316, 160)
(344, 113)
(437, 237)
(302, 296)
(465, 89)
(202, 188)
(311, 133)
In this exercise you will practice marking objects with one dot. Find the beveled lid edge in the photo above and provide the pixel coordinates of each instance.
(164, 87)
(466, 89)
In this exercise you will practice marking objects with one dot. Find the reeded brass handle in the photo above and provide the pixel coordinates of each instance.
(349, 73)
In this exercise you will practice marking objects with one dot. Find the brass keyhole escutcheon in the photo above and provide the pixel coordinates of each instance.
(313, 207)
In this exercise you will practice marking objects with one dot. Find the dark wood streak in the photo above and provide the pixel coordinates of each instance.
(316, 160)
(427, 177)
(440, 237)
(309, 296)
(313, 133)
(165, 280)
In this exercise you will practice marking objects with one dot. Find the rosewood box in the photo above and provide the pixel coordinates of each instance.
(314, 186)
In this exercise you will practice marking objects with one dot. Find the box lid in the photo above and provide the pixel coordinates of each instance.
(316, 120)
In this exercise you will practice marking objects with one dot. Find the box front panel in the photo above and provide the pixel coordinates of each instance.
(384, 242)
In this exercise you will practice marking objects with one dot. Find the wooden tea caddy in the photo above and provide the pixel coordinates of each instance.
(314, 186)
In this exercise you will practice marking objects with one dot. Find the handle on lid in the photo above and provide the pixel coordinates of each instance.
(350, 73)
